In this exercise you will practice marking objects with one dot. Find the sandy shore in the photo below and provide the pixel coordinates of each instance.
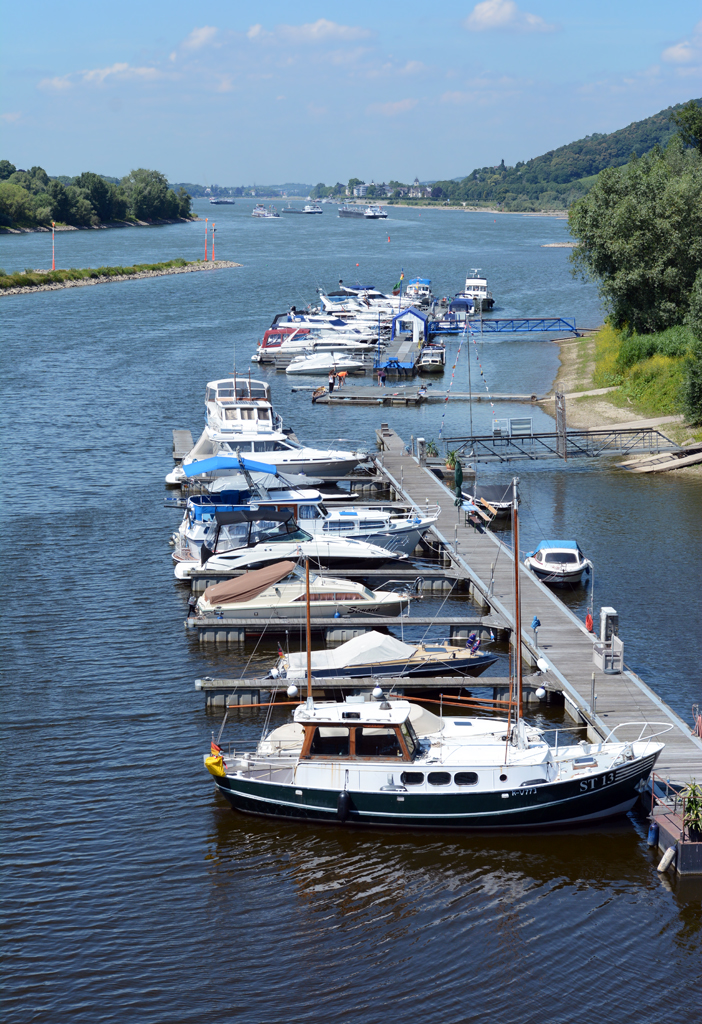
(56, 286)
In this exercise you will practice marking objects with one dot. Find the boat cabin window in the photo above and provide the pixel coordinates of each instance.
(561, 556)
(439, 778)
(308, 512)
(264, 414)
(338, 527)
(235, 446)
(412, 778)
(330, 741)
(411, 741)
(271, 446)
(377, 741)
(466, 778)
(210, 395)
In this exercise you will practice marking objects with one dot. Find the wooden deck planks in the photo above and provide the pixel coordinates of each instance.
(562, 637)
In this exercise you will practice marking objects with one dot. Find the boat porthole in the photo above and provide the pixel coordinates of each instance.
(503, 778)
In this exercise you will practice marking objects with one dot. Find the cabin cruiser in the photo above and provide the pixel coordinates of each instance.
(558, 561)
(375, 212)
(476, 288)
(312, 208)
(279, 591)
(266, 214)
(220, 201)
(322, 363)
(200, 510)
(240, 419)
(374, 655)
(313, 338)
(419, 291)
(387, 763)
(391, 529)
(250, 539)
(432, 359)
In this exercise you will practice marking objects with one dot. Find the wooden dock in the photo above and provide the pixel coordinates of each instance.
(563, 640)
(211, 629)
(411, 395)
(245, 691)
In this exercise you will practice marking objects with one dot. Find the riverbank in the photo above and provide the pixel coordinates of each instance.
(589, 407)
(17, 230)
(53, 280)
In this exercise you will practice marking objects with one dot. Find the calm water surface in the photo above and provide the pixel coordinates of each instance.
(132, 892)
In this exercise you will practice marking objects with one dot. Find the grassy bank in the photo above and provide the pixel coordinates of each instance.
(648, 370)
(38, 278)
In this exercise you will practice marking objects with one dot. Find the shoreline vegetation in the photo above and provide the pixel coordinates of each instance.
(26, 282)
(102, 226)
(33, 200)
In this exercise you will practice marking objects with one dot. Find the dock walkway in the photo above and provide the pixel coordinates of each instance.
(563, 639)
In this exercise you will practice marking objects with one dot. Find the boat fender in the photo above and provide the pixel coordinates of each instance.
(343, 804)
(667, 858)
(653, 830)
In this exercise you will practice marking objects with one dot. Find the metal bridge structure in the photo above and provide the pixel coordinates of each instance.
(503, 325)
(566, 444)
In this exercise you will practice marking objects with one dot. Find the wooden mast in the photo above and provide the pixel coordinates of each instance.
(517, 603)
(309, 633)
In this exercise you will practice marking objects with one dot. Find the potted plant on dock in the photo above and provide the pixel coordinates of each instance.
(451, 459)
(692, 818)
(431, 448)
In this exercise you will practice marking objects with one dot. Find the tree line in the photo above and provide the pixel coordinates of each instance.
(33, 199)
(639, 234)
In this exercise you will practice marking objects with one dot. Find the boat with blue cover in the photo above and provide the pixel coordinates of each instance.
(558, 562)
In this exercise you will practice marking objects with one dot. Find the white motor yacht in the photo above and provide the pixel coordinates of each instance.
(323, 363)
(251, 539)
(265, 214)
(279, 591)
(476, 288)
(240, 419)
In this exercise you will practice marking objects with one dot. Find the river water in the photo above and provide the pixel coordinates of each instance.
(133, 893)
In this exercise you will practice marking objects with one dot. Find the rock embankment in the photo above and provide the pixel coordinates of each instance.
(104, 279)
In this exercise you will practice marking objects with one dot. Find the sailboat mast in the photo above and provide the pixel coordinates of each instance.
(517, 603)
(309, 632)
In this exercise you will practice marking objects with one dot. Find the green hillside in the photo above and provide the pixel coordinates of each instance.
(562, 175)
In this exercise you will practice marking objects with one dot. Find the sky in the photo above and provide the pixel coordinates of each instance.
(275, 92)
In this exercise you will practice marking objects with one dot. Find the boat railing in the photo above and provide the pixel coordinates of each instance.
(665, 727)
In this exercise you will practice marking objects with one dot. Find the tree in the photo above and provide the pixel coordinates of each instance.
(352, 184)
(147, 194)
(60, 203)
(688, 121)
(98, 192)
(15, 203)
(6, 169)
(639, 232)
(694, 314)
(437, 192)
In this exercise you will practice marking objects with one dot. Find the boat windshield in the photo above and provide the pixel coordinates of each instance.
(377, 741)
(561, 556)
(410, 738)
(241, 535)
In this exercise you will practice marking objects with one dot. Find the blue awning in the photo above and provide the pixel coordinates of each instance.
(559, 545)
(420, 280)
(227, 462)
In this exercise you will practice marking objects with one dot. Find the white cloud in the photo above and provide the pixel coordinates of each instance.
(97, 76)
(315, 32)
(392, 109)
(11, 118)
(504, 14)
(199, 37)
(413, 67)
(687, 50)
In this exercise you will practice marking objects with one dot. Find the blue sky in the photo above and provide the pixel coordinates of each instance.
(237, 93)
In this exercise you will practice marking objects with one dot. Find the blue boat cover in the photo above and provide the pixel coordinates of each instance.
(563, 545)
(420, 280)
(226, 462)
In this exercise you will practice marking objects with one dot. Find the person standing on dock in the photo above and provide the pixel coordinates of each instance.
(332, 378)
(341, 378)
(381, 377)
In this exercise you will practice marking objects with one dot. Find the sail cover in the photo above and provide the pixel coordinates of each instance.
(226, 462)
(369, 649)
(250, 585)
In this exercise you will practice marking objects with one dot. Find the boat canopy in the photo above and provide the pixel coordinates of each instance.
(250, 585)
(460, 304)
(245, 515)
(559, 545)
(226, 462)
(368, 649)
(420, 280)
(500, 493)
